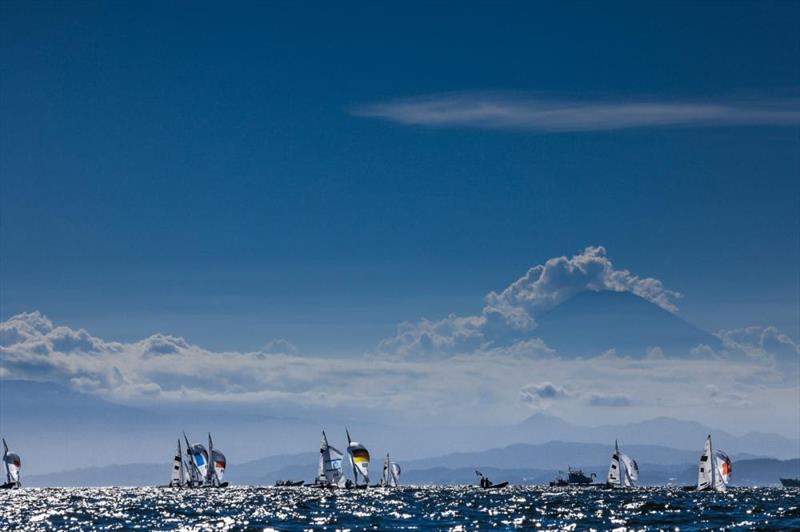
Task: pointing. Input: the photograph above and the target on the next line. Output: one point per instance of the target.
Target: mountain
(553, 456)
(664, 431)
(591, 323)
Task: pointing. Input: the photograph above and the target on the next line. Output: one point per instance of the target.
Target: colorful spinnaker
(359, 459)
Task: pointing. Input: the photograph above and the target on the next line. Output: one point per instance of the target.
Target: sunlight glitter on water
(432, 508)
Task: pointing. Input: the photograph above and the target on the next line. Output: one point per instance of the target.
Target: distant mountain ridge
(664, 431)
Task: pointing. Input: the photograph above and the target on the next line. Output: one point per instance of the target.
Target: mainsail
(178, 478)
(198, 462)
(330, 464)
(359, 458)
(12, 464)
(715, 468)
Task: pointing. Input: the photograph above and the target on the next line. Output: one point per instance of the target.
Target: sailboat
(13, 464)
(216, 468)
(178, 476)
(391, 473)
(715, 469)
(622, 471)
(359, 459)
(329, 473)
(197, 463)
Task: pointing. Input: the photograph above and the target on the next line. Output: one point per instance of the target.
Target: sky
(322, 174)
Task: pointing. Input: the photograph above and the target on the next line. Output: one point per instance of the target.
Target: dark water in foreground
(444, 508)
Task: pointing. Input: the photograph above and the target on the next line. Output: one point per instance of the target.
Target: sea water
(425, 508)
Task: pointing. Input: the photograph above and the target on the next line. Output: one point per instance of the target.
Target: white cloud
(510, 315)
(726, 398)
(546, 390)
(759, 342)
(537, 113)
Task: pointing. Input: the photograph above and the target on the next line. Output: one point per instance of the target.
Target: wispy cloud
(546, 114)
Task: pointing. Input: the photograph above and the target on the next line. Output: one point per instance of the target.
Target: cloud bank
(508, 318)
(487, 386)
(536, 113)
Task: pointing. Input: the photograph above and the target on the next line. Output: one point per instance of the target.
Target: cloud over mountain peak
(509, 316)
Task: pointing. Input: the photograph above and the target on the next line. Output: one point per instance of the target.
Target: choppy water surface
(445, 508)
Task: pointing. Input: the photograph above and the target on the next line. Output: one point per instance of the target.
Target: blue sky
(209, 174)
(401, 192)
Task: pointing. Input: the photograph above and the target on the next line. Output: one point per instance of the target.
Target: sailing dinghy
(715, 469)
(178, 475)
(359, 459)
(622, 471)
(13, 464)
(391, 473)
(197, 463)
(216, 469)
(329, 473)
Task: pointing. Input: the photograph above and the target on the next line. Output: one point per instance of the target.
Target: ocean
(424, 508)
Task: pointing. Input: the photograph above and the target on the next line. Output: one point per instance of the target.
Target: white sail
(12, 463)
(395, 470)
(614, 474)
(715, 468)
(359, 459)
(177, 477)
(386, 472)
(197, 462)
(630, 469)
(330, 463)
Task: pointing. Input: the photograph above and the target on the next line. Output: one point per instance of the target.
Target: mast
(182, 474)
(5, 461)
(193, 473)
(210, 473)
(350, 454)
(713, 464)
(619, 462)
(321, 477)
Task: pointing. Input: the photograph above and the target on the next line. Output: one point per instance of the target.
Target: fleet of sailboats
(201, 466)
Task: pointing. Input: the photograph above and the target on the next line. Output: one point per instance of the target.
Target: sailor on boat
(487, 484)
(13, 464)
